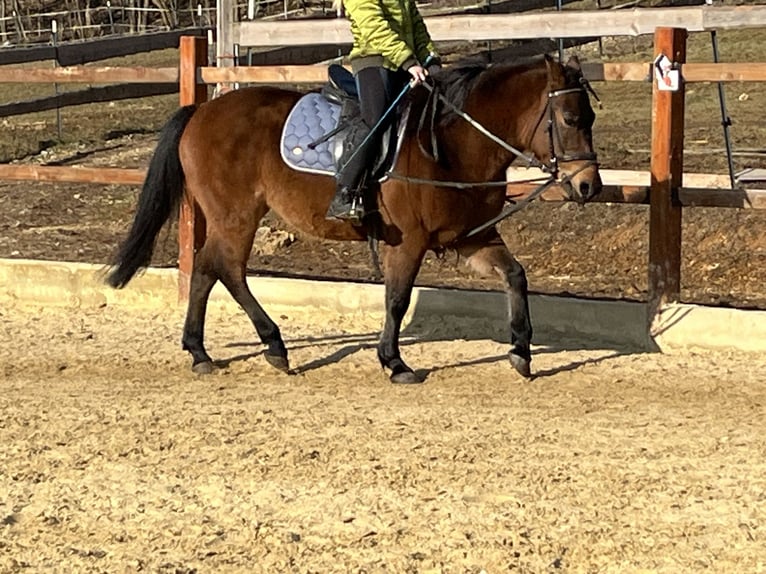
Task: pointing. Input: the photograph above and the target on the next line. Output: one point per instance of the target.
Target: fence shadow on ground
(428, 326)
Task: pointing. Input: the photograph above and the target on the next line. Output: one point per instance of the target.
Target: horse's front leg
(401, 266)
(496, 258)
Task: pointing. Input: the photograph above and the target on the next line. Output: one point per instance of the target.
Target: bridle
(554, 135)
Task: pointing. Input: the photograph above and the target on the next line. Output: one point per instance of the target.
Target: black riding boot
(352, 175)
(346, 204)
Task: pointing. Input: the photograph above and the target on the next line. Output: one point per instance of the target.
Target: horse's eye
(571, 119)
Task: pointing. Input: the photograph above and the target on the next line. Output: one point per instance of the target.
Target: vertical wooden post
(224, 28)
(667, 174)
(191, 224)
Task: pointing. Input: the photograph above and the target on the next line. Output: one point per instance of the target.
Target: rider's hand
(418, 73)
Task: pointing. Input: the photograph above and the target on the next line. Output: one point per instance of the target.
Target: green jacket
(388, 33)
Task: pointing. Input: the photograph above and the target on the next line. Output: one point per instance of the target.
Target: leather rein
(552, 169)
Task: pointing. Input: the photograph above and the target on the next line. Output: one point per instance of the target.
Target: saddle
(323, 124)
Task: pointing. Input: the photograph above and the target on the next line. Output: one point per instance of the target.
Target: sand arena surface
(114, 457)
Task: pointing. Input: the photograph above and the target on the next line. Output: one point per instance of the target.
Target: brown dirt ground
(115, 458)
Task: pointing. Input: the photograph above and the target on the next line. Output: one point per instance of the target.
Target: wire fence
(23, 23)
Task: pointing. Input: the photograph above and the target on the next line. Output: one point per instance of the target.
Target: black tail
(160, 197)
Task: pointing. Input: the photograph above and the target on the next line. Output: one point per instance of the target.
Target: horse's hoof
(405, 378)
(521, 365)
(203, 368)
(278, 362)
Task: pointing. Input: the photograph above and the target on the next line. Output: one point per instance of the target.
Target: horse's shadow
(430, 328)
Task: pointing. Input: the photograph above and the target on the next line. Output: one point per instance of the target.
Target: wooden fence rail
(316, 74)
(620, 186)
(461, 28)
(70, 174)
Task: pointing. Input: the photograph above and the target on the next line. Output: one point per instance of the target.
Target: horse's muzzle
(584, 185)
(590, 188)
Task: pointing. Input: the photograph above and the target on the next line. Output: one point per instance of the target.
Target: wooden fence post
(666, 178)
(191, 224)
(224, 40)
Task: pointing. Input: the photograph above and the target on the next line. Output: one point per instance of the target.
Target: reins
(516, 206)
(551, 170)
(531, 160)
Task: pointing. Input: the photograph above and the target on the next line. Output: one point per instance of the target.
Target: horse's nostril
(586, 189)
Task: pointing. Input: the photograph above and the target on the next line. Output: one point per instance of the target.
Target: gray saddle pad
(310, 119)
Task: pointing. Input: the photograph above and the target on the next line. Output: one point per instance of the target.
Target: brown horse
(225, 155)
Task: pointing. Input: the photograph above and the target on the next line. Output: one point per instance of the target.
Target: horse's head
(562, 137)
(537, 111)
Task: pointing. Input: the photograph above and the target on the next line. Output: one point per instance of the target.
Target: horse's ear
(551, 64)
(574, 63)
(555, 71)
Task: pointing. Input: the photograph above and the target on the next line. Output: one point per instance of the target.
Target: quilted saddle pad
(311, 118)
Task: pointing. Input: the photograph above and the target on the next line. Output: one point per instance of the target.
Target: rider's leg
(374, 87)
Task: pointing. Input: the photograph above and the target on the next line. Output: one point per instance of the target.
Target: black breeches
(377, 87)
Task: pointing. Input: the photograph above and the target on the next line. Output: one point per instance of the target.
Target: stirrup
(356, 213)
(353, 214)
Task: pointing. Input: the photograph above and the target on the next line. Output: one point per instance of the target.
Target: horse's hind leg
(234, 278)
(226, 259)
(495, 258)
(202, 281)
(235, 244)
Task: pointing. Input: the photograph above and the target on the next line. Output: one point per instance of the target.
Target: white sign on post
(668, 78)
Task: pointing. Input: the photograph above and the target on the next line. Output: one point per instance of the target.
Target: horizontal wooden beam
(732, 72)
(565, 24)
(318, 73)
(619, 186)
(489, 6)
(625, 71)
(266, 74)
(689, 197)
(622, 71)
(628, 178)
(68, 174)
(90, 75)
(297, 74)
(694, 72)
(624, 186)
